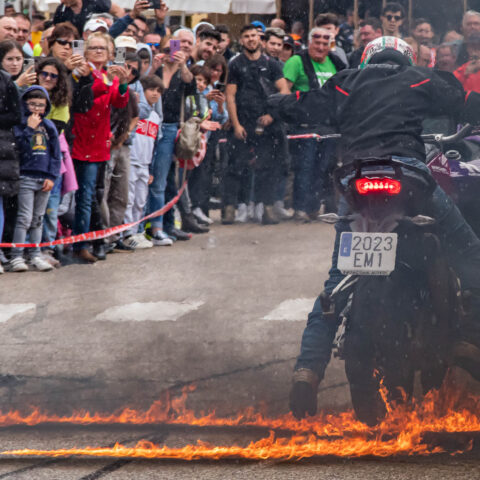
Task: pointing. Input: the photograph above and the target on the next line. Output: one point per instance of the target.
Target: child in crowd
(40, 159)
(140, 159)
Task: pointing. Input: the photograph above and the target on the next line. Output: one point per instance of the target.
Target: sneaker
(122, 246)
(201, 217)
(3, 258)
(242, 213)
(178, 234)
(280, 211)
(161, 239)
(47, 255)
(40, 264)
(1, 269)
(18, 264)
(141, 242)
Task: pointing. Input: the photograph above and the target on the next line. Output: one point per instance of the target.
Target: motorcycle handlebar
(439, 138)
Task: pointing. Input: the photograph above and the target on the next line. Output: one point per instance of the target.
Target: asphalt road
(223, 312)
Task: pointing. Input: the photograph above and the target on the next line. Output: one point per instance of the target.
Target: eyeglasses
(64, 43)
(132, 69)
(36, 106)
(156, 45)
(46, 75)
(98, 49)
(322, 36)
(393, 17)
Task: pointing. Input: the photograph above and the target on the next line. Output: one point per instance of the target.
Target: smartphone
(174, 47)
(77, 47)
(27, 63)
(220, 87)
(155, 4)
(120, 56)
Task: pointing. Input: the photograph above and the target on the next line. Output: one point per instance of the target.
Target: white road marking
(150, 311)
(292, 310)
(9, 310)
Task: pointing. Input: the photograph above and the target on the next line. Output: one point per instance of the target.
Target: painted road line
(9, 310)
(148, 312)
(293, 310)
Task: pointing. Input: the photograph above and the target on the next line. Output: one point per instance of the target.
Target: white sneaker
(198, 213)
(257, 217)
(1, 269)
(242, 213)
(47, 255)
(161, 239)
(140, 241)
(40, 264)
(280, 211)
(17, 264)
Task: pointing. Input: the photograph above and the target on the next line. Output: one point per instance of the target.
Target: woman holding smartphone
(12, 62)
(91, 130)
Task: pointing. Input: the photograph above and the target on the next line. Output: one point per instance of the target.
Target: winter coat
(39, 149)
(91, 130)
(9, 116)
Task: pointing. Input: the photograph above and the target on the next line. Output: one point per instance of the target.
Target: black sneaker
(178, 234)
(121, 247)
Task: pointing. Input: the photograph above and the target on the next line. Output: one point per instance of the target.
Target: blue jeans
(311, 161)
(460, 244)
(51, 215)
(87, 179)
(32, 202)
(162, 160)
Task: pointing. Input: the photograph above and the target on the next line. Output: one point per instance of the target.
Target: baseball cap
(258, 24)
(288, 40)
(127, 42)
(95, 25)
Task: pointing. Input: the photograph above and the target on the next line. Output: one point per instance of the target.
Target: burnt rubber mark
(110, 468)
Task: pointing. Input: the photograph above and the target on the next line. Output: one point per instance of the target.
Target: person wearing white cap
(128, 42)
(94, 25)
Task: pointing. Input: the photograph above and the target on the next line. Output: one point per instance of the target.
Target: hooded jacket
(9, 117)
(39, 149)
(91, 129)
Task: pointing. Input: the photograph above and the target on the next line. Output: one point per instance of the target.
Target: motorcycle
(402, 303)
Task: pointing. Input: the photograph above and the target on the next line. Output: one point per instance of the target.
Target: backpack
(189, 136)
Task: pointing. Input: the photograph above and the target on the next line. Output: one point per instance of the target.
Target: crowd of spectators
(91, 103)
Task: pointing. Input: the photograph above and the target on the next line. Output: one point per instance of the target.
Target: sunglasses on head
(323, 36)
(46, 75)
(63, 42)
(393, 17)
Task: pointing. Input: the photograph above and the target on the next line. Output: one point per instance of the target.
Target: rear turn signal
(365, 186)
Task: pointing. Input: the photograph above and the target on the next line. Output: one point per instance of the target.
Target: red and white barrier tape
(99, 234)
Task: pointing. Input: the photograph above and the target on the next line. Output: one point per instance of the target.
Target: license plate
(367, 253)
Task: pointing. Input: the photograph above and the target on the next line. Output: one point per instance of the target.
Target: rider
(379, 109)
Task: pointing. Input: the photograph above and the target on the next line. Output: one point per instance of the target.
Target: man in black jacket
(379, 111)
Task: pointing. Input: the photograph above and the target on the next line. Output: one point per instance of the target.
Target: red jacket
(469, 82)
(91, 130)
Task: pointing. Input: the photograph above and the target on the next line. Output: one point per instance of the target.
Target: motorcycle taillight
(365, 186)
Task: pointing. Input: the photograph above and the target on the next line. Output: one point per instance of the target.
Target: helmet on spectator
(388, 50)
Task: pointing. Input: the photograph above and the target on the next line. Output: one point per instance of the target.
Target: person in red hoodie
(91, 131)
(469, 73)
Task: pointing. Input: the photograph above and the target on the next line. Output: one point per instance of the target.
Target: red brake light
(381, 185)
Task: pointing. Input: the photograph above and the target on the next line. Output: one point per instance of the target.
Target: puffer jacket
(10, 115)
(91, 130)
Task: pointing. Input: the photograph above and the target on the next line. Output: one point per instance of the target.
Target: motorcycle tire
(377, 344)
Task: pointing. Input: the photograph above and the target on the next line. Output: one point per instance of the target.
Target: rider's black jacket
(379, 110)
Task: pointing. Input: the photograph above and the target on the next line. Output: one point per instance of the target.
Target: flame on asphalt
(401, 433)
